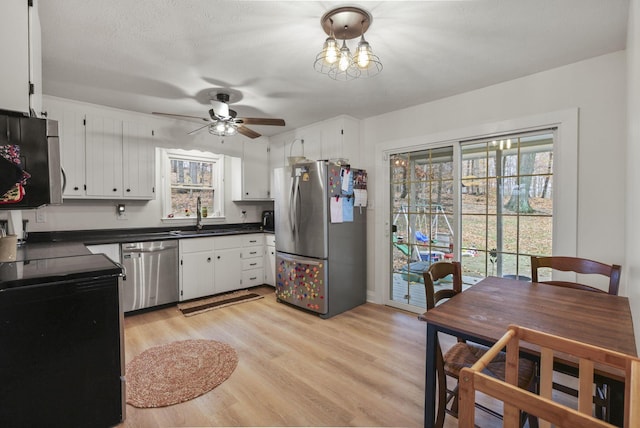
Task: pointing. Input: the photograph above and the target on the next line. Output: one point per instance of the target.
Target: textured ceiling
(168, 55)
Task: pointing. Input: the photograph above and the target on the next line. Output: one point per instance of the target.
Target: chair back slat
(440, 270)
(577, 265)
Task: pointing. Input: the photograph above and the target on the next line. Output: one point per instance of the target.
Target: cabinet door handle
(115, 190)
(128, 190)
(75, 188)
(218, 257)
(253, 252)
(209, 259)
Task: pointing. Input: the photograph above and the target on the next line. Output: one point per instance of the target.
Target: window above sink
(187, 175)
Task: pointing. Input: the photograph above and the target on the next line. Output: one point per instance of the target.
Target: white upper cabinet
(71, 130)
(251, 173)
(104, 156)
(341, 139)
(21, 57)
(138, 161)
(14, 51)
(35, 57)
(337, 138)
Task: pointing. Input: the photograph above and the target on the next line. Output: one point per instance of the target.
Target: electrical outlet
(41, 215)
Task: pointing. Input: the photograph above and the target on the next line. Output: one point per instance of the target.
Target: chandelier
(223, 128)
(346, 23)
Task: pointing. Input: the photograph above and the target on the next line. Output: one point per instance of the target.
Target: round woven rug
(177, 372)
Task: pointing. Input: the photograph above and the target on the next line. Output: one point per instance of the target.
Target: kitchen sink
(203, 232)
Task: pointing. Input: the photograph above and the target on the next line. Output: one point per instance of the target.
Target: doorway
(422, 197)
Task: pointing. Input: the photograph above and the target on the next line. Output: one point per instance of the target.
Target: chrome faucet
(198, 214)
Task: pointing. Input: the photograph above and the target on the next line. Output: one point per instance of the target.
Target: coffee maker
(268, 221)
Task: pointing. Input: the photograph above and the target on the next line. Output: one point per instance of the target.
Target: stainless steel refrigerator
(321, 258)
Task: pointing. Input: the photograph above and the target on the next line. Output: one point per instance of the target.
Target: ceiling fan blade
(198, 129)
(260, 121)
(247, 132)
(182, 116)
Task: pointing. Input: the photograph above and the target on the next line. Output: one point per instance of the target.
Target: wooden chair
(464, 354)
(578, 265)
(581, 266)
(550, 412)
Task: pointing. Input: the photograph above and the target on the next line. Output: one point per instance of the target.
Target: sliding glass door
(422, 211)
(487, 203)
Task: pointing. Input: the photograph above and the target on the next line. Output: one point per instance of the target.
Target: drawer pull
(253, 278)
(252, 264)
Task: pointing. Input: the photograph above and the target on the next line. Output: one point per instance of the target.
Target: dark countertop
(52, 270)
(50, 250)
(52, 256)
(112, 236)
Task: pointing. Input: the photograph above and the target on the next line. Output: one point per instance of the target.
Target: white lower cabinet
(196, 268)
(270, 260)
(252, 260)
(228, 263)
(213, 265)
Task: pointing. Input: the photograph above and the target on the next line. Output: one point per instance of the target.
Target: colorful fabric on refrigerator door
(300, 283)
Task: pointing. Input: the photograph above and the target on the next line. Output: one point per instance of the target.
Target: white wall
(597, 87)
(632, 265)
(101, 214)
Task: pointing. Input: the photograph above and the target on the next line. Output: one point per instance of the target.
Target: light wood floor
(364, 367)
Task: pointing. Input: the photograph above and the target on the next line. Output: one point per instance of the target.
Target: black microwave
(30, 173)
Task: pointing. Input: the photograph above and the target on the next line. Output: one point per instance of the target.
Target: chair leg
(454, 405)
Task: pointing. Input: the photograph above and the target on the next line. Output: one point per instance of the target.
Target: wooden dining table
(483, 312)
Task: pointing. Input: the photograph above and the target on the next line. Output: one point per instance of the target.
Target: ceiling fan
(223, 121)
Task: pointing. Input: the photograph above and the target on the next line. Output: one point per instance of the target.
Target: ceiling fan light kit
(346, 23)
(223, 128)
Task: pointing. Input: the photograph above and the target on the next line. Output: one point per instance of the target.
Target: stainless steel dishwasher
(151, 274)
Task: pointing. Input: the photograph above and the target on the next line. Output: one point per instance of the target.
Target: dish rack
(549, 412)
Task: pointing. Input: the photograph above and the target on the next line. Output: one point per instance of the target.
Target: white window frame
(565, 189)
(166, 155)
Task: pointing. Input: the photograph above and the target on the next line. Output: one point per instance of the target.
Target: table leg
(430, 378)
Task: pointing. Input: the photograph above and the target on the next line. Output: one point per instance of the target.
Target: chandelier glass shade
(346, 23)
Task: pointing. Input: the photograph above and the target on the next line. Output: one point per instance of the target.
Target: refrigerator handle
(293, 207)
